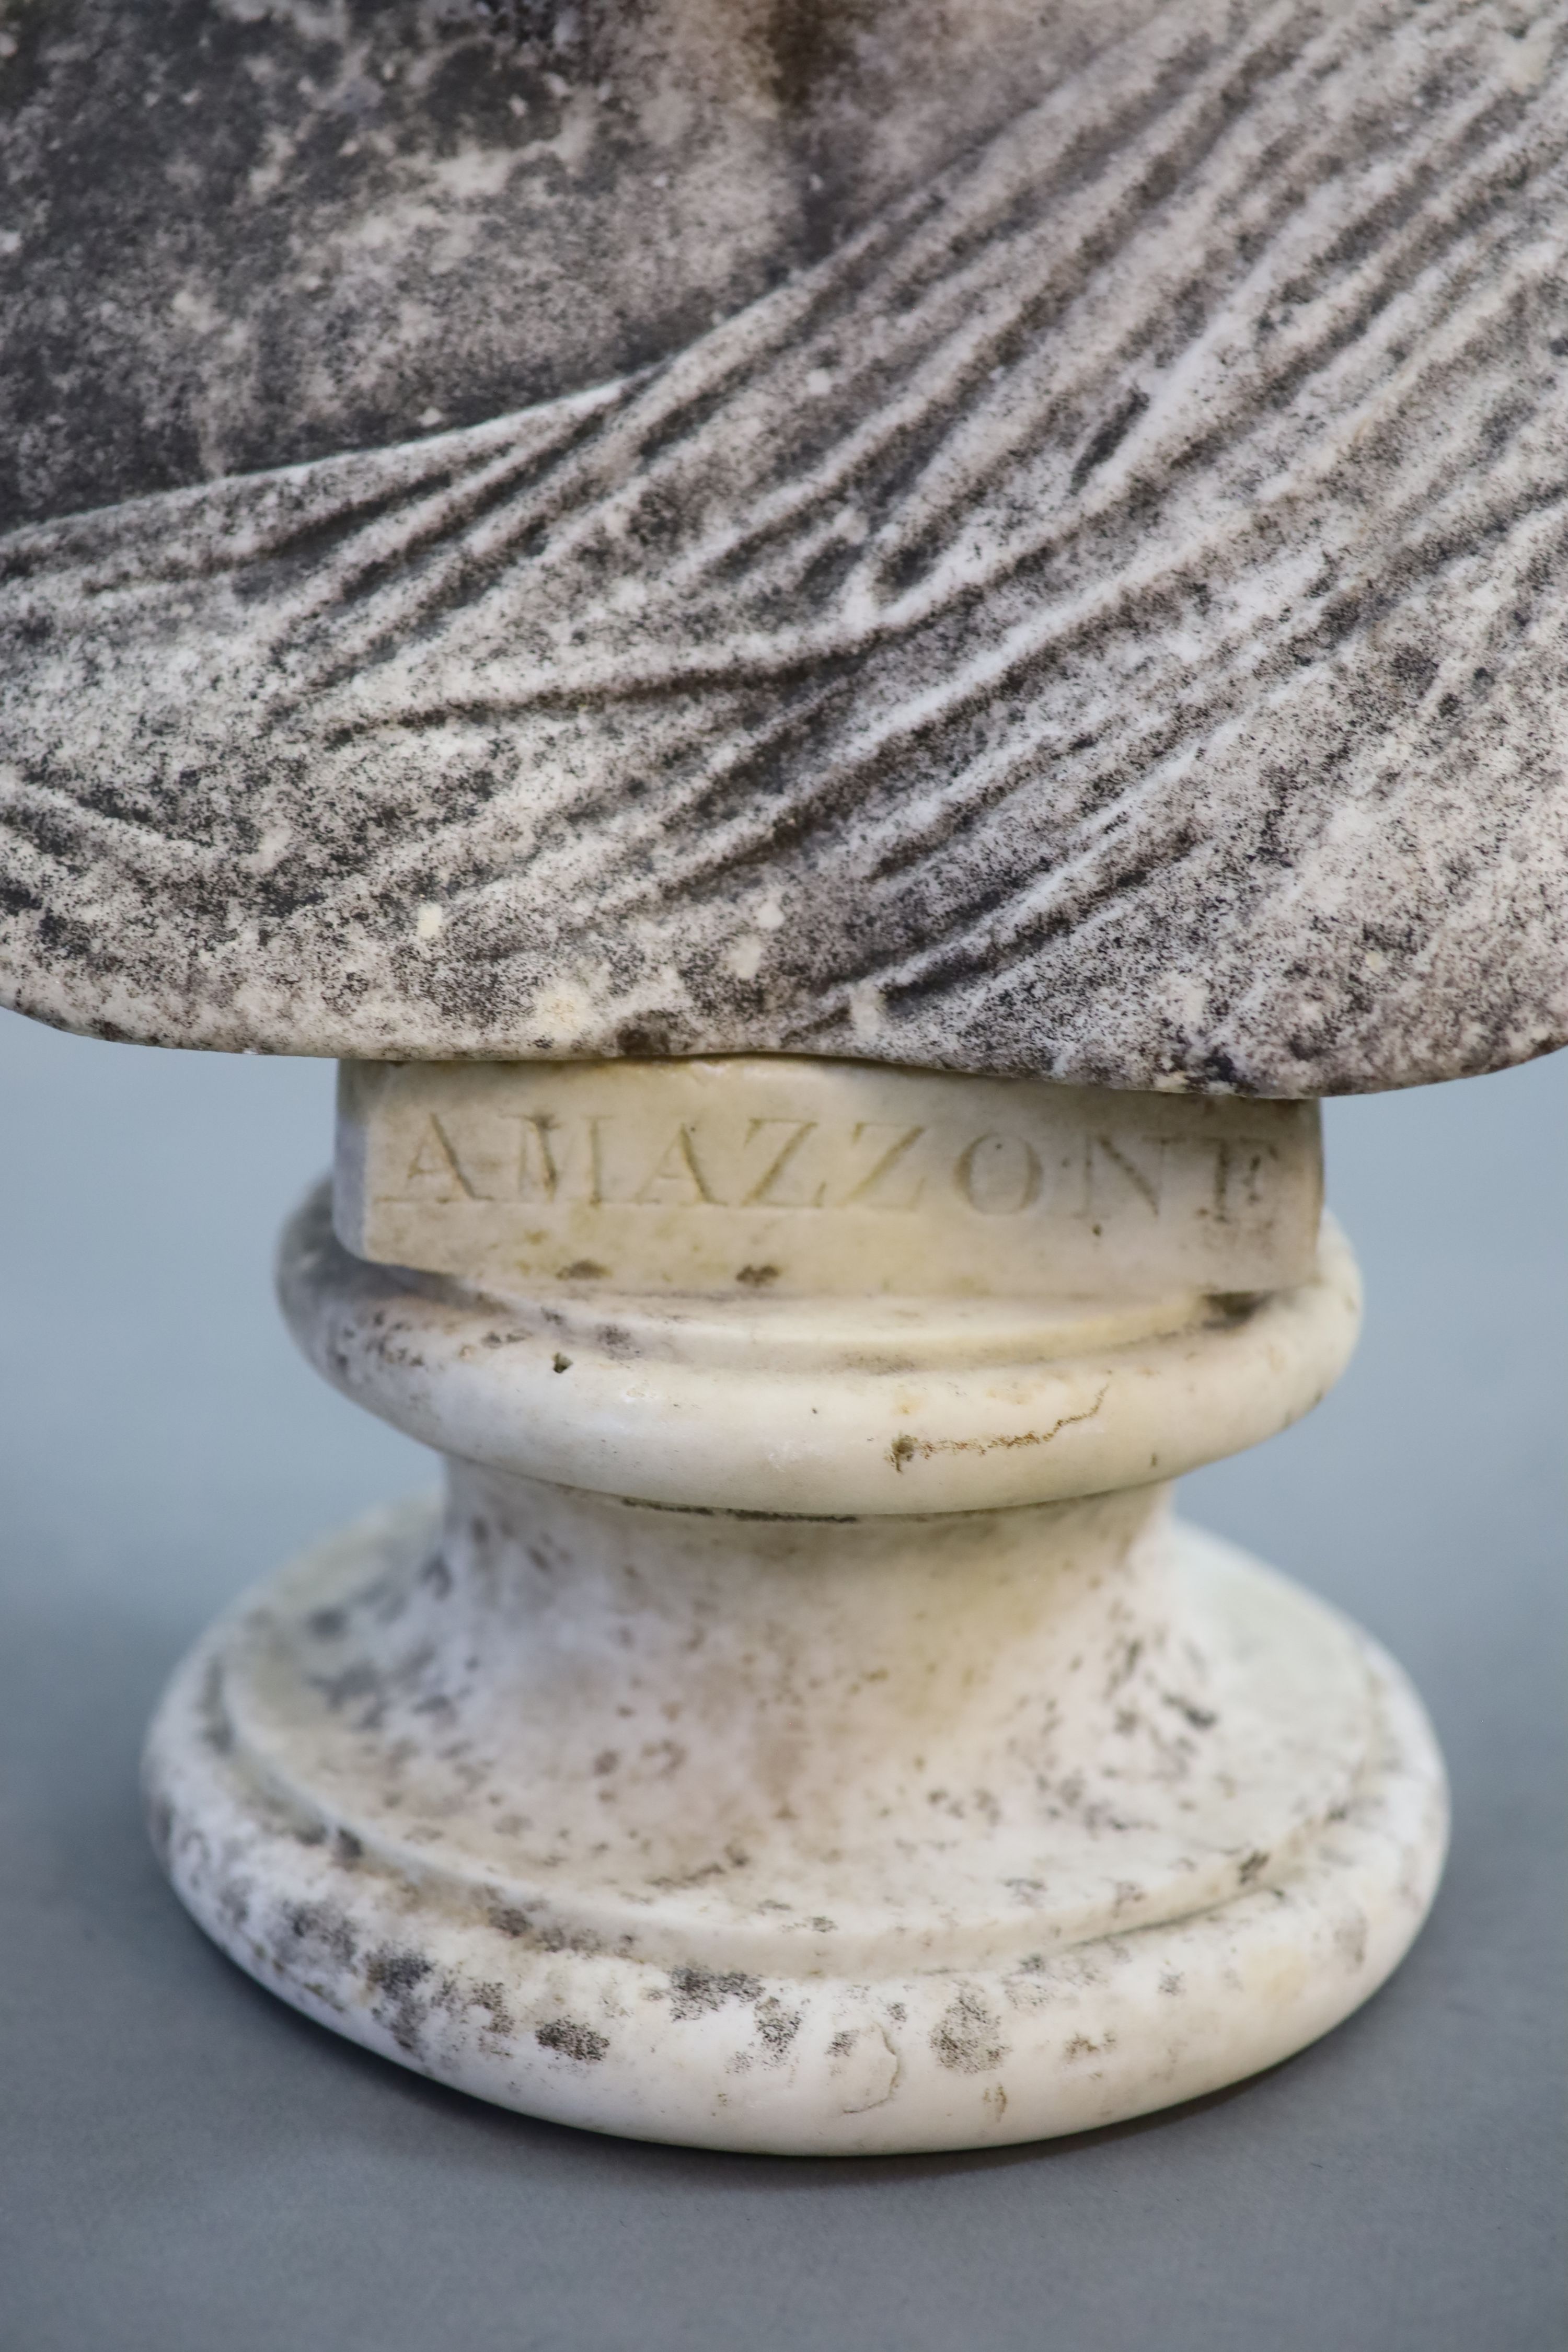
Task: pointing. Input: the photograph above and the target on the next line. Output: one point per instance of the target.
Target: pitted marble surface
(824, 1407)
(622, 1985)
(1073, 590)
(190, 2162)
(802, 1727)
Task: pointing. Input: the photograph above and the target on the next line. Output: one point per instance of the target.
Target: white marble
(843, 1405)
(803, 1728)
(420, 1848)
(791, 1178)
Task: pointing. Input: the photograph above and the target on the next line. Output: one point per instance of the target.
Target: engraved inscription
(768, 1191)
(434, 1171)
(880, 1187)
(876, 1166)
(678, 1182)
(794, 1176)
(998, 1174)
(538, 1176)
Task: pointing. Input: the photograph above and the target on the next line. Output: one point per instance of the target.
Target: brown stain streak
(906, 1449)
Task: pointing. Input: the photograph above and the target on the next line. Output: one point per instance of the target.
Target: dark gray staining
(567, 2039)
(316, 1934)
(241, 233)
(967, 2038)
(776, 2028)
(400, 1983)
(696, 1992)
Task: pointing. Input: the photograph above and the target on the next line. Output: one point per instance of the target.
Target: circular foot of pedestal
(423, 1961)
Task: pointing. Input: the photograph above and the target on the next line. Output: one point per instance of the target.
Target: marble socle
(802, 1726)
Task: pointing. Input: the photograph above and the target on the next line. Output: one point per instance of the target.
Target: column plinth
(803, 1725)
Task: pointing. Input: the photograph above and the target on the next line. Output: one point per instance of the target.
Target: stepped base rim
(809, 2064)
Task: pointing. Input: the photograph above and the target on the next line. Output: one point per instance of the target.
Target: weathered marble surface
(803, 1729)
(1024, 549)
(717, 1929)
(771, 1177)
(822, 1407)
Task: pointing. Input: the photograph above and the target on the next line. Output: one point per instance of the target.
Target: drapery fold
(1103, 620)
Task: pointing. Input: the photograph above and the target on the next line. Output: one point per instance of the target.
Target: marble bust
(994, 539)
(845, 653)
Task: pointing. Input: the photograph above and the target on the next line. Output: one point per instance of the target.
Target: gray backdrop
(187, 2167)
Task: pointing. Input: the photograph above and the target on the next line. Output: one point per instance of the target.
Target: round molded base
(418, 1955)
